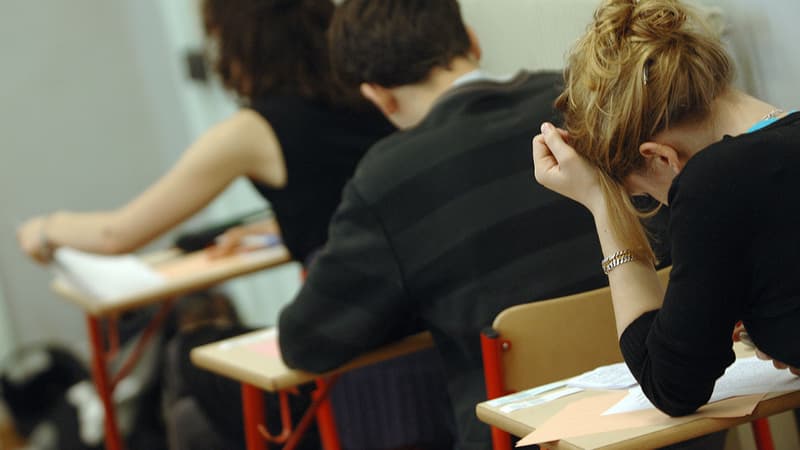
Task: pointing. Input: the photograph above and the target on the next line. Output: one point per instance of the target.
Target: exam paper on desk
(745, 376)
(613, 376)
(105, 277)
(534, 396)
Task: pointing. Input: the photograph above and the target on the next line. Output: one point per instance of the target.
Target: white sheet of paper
(105, 277)
(549, 397)
(745, 376)
(614, 376)
(634, 401)
(526, 394)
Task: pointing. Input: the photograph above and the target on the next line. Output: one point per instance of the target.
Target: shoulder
(743, 162)
(719, 168)
(248, 141)
(244, 127)
(726, 179)
(476, 118)
(524, 91)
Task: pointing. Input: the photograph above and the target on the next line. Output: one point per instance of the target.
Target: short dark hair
(395, 42)
(272, 46)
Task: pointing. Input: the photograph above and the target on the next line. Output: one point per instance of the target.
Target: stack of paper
(105, 277)
(745, 376)
(614, 376)
(736, 394)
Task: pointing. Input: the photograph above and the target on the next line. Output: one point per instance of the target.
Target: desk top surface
(183, 273)
(523, 421)
(254, 358)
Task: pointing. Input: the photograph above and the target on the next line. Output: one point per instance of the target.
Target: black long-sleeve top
(735, 236)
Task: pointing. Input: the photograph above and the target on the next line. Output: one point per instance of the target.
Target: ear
(662, 154)
(474, 44)
(381, 97)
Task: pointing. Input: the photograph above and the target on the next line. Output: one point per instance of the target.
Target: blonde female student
(297, 137)
(649, 110)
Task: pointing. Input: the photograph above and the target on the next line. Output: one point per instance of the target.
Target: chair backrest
(559, 338)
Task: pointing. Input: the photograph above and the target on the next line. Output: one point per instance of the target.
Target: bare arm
(635, 286)
(678, 343)
(241, 145)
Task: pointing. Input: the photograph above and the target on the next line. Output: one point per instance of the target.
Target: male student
(442, 222)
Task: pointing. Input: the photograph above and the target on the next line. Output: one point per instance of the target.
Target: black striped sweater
(441, 228)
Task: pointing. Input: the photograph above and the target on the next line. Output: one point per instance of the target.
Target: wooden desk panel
(522, 422)
(254, 358)
(184, 273)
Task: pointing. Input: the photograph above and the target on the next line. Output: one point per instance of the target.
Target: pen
(253, 241)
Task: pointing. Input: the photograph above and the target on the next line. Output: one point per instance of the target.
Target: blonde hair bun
(658, 19)
(642, 67)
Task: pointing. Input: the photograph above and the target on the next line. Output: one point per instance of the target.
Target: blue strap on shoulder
(767, 122)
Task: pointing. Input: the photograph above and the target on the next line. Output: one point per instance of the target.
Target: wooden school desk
(523, 421)
(184, 274)
(254, 360)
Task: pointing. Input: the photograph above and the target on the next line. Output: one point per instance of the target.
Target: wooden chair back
(555, 339)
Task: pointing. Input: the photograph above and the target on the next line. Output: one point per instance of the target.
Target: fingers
(540, 150)
(555, 140)
(543, 159)
(226, 243)
(775, 363)
(30, 242)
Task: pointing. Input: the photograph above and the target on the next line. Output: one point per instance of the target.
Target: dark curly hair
(272, 46)
(395, 42)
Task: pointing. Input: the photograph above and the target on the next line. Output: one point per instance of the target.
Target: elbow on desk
(302, 351)
(675, 407)
(311, 358)
(678, 410)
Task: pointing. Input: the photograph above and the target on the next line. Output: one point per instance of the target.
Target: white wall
(536, 34)
(7, 340)
(765, 35)
(80, 130)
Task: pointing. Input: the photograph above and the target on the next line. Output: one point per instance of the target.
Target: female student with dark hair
(649, 110)
(297, 137)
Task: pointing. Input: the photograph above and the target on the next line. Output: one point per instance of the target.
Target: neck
(732, 114)
(416, 100)
(735, 112)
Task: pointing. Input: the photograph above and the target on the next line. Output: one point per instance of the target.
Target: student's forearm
(635, 287)
(96, 232)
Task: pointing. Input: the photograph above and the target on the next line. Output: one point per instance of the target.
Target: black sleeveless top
(321, 147)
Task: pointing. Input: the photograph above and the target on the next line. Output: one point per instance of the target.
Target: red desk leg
(253, 406)
(326, 423)
(491, 350)
(102, 383)
(256, 433)
(762, 434)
